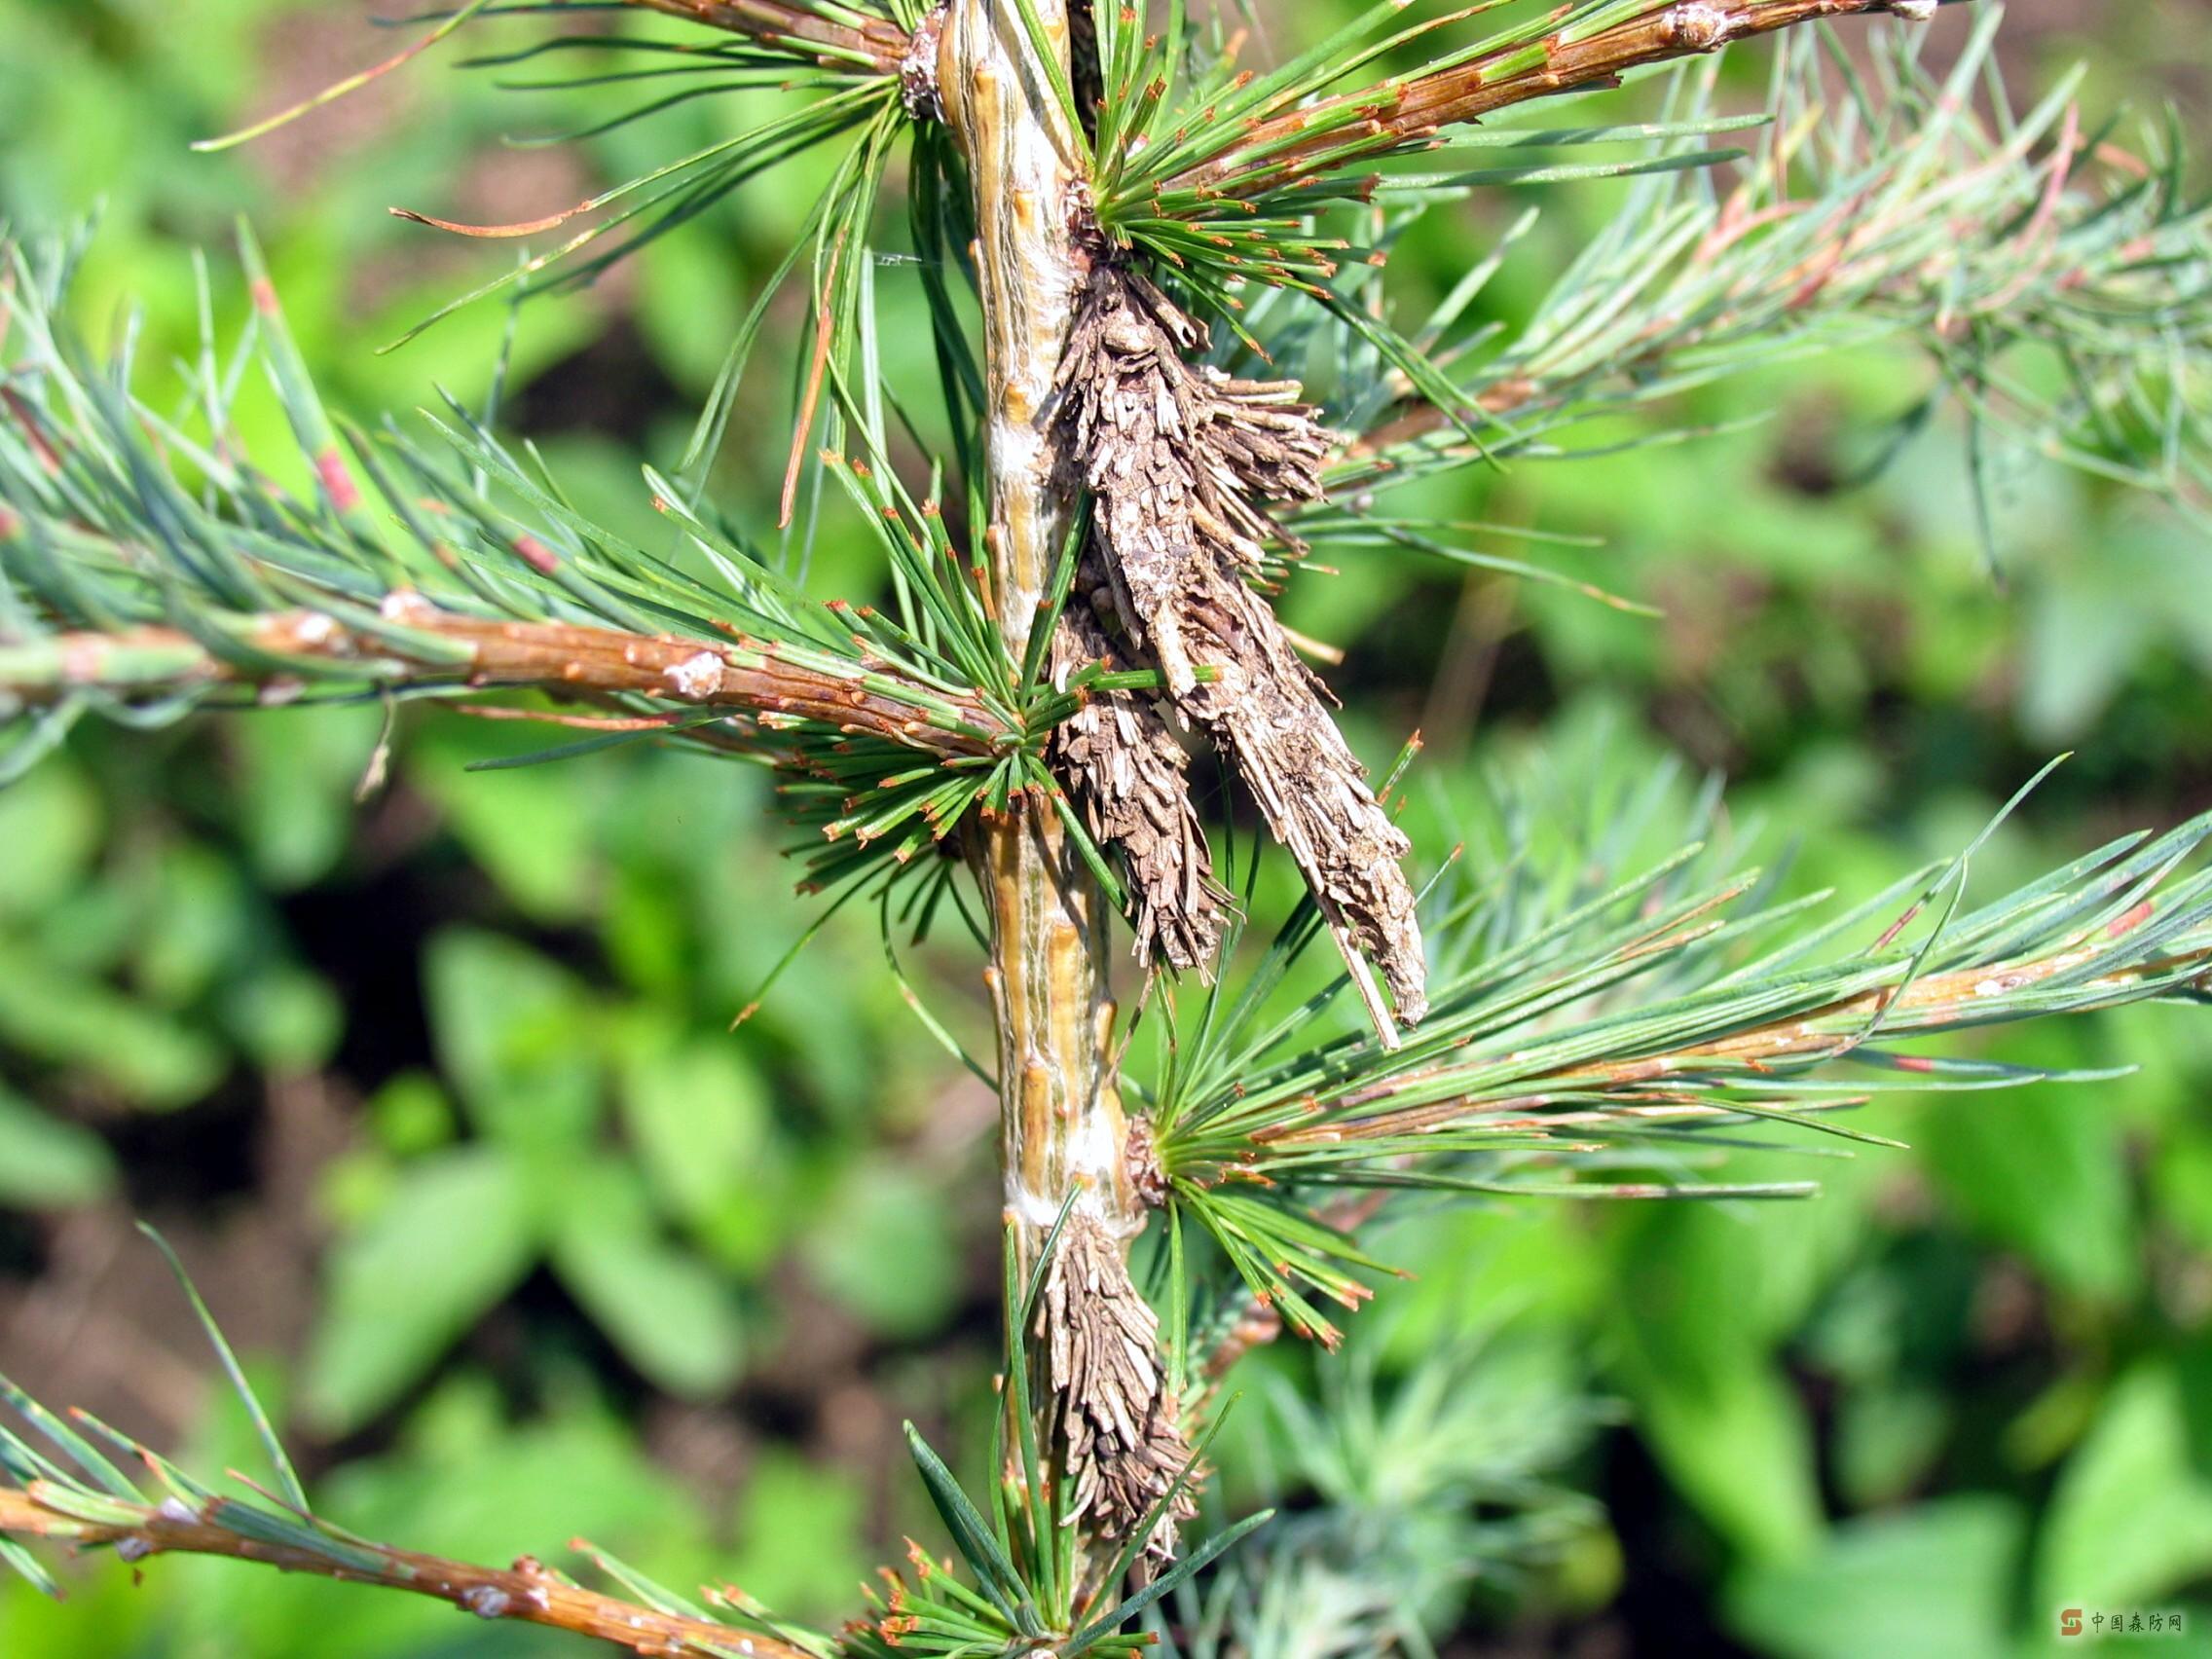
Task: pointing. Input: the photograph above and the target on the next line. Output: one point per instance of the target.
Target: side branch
(877, 41)
(1410, 108)
(529, 1592)
(1979, 242)
(1610, 1094)
(427, 646)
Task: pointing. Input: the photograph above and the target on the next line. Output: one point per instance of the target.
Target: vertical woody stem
(1061, 1117)
(1101, 1404)
(1099, 1401)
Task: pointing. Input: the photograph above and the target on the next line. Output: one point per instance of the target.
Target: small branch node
(918, 69)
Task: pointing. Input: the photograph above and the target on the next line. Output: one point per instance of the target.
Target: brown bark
(1410, 108)
(430, 645)
(527, 1593)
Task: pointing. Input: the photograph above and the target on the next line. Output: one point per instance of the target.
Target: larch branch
(424, 646)
(773, 22)
(1407, 109)
(1932, 1003)
(527, 1592)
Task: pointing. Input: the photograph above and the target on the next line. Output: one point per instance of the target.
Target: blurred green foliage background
(437, 1094)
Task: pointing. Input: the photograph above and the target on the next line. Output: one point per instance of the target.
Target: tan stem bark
(1061, 1120)
(1063, 1141)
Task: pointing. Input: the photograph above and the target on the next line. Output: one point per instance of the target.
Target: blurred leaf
(1935, 1580)
(457, 1232)
(1886, 1438)
(2193, 1361)
(516, 1036)
(799, 1532)
(695, 1112)
(1739, 1446)
(293, 797)
(2131, 1518)
(1908, 1311)
(1537, 1263)
(50, 824)
(411, 1115)
(2182, 1178)
(662, 1306)
(286, 1019)
(2097, 612)
(2054, 1422)
(884, 1248)
(106, 1615)
(81, 1024)
(530, 828)
(648, 928)
(197, 921)
(2043, 1172)
(1701, 1296)
(355, 1186)
(1732, 1277)
(689, 309)
(47, 1163)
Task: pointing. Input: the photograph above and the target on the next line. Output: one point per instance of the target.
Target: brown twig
(1406, 109)
(1936, 1000)
(773, 22)
(1846, 253)
(526, 1592)
(430, 645)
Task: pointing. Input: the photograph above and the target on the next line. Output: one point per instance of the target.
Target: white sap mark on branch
(1094, 1151)
(487, 1602)
(402, 604)
(1700, 23)
(1034, 1208)
(1914, 10)
(132, 1549)
(697, 677)
(176, 1509)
